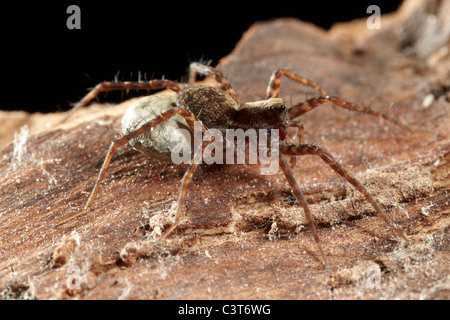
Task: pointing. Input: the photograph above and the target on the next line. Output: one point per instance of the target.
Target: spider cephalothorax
(151, 124)
(217, 109)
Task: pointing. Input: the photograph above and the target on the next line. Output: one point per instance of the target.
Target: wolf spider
(218, 107)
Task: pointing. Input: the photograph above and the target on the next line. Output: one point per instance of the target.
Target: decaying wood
(238, 241)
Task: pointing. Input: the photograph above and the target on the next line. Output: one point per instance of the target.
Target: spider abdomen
(161, 140)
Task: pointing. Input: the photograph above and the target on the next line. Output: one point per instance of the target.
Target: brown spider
(219, 108)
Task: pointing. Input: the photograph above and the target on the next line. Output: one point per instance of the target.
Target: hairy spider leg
(223, 82)
(308, 149)
(296, 139)
(126, 85)
(312, 103)
(183, 188)
(190, 119)
(285, 167)
(273, 89)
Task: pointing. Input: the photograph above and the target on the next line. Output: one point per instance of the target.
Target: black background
(45, 66)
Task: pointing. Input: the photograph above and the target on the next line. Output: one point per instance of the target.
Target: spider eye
(280, 108)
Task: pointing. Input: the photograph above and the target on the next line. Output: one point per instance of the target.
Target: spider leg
(185, 183)
(293, 159)
(182, 192)
(273, 90)
(224, 84)
(127, 85)
(122, 141)
(312, 103)
(302, 200)
(305, 149)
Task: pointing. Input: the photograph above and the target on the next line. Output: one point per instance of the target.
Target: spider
(219, 107)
